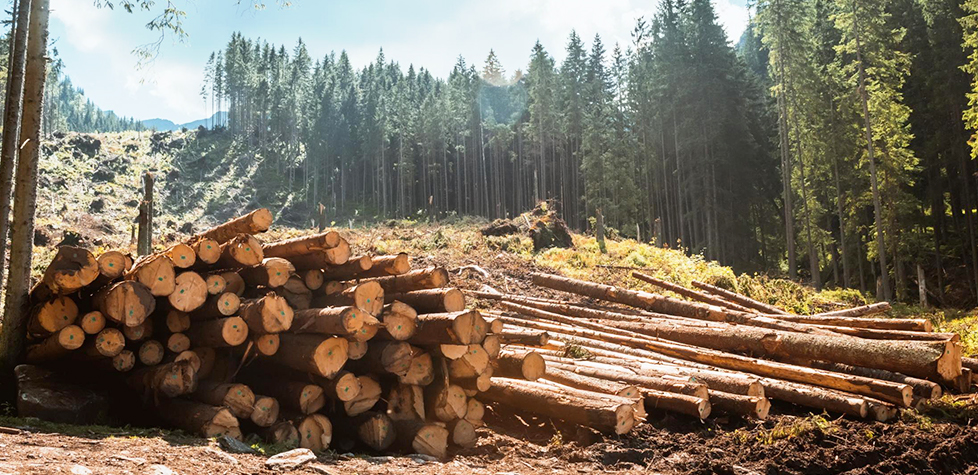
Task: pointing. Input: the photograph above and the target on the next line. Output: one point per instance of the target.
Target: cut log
(108, 343)
(475, 412)
(739, 299)
(431, 300)
(235, 284)
(237, 398)
(921, 387)
(241, 251)
(272, 272)
(890, 334)
(178, 342)
(322, 258)
(396, 264)
(177, 321)
(302, 396)
(366, 399)
(746, 406)
(257, 221)
(526, 365)
(333, 287)
(208, 359)
(400, 321)
(113, 265)
(265, 411)
(537, 339)
(199, 418)
(421, 371)
(280, 433)
(861, 311)
(406, 401)
(315, 354)
(217, 306)
(124, 361)
(422, 438)
(420, 279)
(219, 333)
(473, 363)
(367, 296)
(655, 381)
(57, 345)
(71, 269)
(492, 345)
(216, 284)
(393, 357)
(269, 314)
(127, 302)
(611, 414)
(343, 387)
(156, 272)
(191, 356)
(345, 321)
(189, 293)
(139, 332)
(903, 324)
(315, 432)
(349, 270)
(374, 429)
(313, 278)
(183, 256)
(92, 322)
(208, 250)
(302, 245)
(150, 353)
(52, 315)
(463, 433)
(445, 402)
(167, 379)
(459, 328)
(815, 397)
(357, 349)
(296, 293)
(690, 293)
(574, 380)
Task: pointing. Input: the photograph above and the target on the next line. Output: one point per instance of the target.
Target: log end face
(234, 331)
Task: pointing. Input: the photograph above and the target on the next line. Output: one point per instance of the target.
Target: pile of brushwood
(300, 342)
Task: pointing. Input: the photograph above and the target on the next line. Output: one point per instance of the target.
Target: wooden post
(922, 285)
(144, 245)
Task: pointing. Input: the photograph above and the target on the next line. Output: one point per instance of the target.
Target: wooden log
(349, 270)
(903, 324)
(396, 264)
(72, 269)
(921, 387)
(815, 397)
(460, 328)
(366, 399)
(374, 429)
(419, 279)
(657, 382)
(471, 364)
(92, 322)
(400, 321)
(281, 433)
(267, 344)
(298, 296)
(237, 398)
(322, 258)
(313, 278)
(113, 265)
(605, 413)
(208, 251)
(405, 401)
(357, 349)
(315, 354)
(191, 356)
(889, 391)
(422, 438)
(607, 386)
(219, 333)
(526, 365)
(739, 299)
(431, 300)
(302, 245)
(861, 311)
(271, 272)
(257, 221)
(235, 284)
(56, 345)
(51, 316)
(216, 283)
(182, 255)
(127, 302)
(199, 418)
(178, 342)
(345, 321)
(492, 345)
(690, 293)
(177, 321)
(315, 432)
(241, 251)
(367, 296)
(752, 407)
(124, 361)
(343, 387)
(189, 293)
(168, 379)
(150, 353)
(106, 344)
(269, 314)
(217, 306)
(333, 287)
(522, 338)
(208, 361)
(265, 411)
(890, 334)
(421, 371)
(393, 357)
(304, 397)
(156, 272)
(462, 433)
(445, 402)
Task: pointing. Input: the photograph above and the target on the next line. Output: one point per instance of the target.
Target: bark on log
(739, 299)
(367, 296)
(323, 258)
(257, 221)
(609, 414)
(237, 398)
(71, 269)
(459, 328)
(393, 357)
(156, 272)
(909, 324)
(345, 321)
(269, 314)
(199, 418)
(514, 364)
(241, 251)
(235, 284)
(126, 302)
(349, 270)
(419, 279)
(861, 311)
(304, 397)
(656, 382)
(689, 293)
(168, 379)
(431, 300)
(302, 245)
(921, 387)
(421, 437)
(536, 339)
(57, 345)
(315, 432)
(746, 406)
(272, 272)
(370, 392)
(315, 354)
(396, 264)
(219, 333)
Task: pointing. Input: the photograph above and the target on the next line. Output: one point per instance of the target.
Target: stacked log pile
(301, 342)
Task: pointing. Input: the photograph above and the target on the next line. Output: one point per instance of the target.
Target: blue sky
(96, 44)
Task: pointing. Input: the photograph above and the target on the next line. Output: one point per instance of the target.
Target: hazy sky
(96, 44)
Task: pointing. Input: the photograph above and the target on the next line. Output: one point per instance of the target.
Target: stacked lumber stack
(723, 352)
(296, 341)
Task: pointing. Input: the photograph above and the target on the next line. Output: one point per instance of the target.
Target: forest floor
(941, 437)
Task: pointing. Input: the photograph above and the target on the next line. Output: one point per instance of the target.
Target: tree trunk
(12, 116)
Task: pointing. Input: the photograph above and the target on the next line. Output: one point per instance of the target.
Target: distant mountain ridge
(164, 125)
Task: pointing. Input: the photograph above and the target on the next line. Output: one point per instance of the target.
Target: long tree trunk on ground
(11, 119)
(25, 191)
(877, 207)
